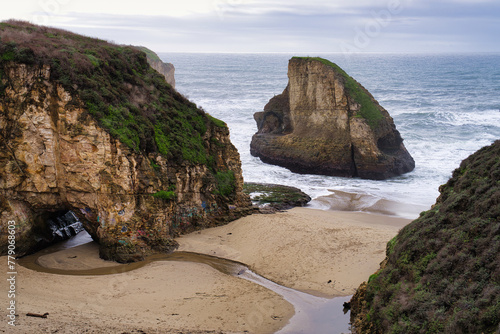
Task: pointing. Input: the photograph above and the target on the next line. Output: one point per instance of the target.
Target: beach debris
(36, 315)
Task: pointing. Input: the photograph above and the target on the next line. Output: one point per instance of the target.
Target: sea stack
(98, 132)
(326, 123)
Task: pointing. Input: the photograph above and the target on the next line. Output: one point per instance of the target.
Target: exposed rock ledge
(270, 198)
(326, 123)
(165, 69)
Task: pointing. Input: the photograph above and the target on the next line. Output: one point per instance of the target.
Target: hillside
(89, 126)
(117, 86)
(442, 271)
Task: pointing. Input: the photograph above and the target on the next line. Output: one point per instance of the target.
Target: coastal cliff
(442, 271)
(89, 127)
(165, 69)
(326, 123)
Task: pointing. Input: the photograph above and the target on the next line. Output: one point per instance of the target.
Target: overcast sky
(276, 25)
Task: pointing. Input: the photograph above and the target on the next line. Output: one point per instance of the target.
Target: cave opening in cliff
(353, 161)
(55, 226)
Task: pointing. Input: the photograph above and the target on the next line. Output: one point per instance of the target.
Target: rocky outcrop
(326, 123)
(165, 69)
(274, 197)
(442, 271)
(133, 193)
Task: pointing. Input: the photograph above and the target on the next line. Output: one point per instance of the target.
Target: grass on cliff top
(443, 270)
(149, 53)
(369, 110)
(118, 88)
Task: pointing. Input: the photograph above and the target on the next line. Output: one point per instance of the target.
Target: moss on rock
(277, 196)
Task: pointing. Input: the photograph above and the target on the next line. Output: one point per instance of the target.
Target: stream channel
(313, 315)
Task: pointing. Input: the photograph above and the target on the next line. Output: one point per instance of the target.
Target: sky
(310, 26)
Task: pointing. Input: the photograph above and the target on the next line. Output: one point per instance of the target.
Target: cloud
(278, 25)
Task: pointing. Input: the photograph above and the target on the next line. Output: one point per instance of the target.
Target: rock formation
(106, 138)
(326, 123)
(165, 69)
(274, 197)
(442, 271)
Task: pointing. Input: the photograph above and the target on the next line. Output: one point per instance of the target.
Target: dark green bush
(448, 260)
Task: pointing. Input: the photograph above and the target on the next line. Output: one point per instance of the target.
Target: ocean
(446, 107)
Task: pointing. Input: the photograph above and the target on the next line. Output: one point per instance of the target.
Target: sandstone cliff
(165, 69)
(88, 126)
(326, 123)
(442, 271)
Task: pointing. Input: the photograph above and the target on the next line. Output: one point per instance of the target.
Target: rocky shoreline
(269, 198)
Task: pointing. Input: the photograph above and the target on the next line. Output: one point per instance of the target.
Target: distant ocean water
(446, 106)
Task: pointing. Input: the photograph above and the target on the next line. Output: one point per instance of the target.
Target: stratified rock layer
(326, 123)
(55, 156)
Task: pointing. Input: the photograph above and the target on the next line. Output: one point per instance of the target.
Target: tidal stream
(312, 314)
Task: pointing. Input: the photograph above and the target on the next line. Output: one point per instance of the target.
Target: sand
(304, 249)
(326, 253)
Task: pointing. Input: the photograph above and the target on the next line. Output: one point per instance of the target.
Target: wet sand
(303, 249)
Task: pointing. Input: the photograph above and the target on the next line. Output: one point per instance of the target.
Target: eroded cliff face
(165, 69)
(54, 156)
(326, 123)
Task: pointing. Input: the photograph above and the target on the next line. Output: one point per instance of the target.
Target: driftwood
(37, 315)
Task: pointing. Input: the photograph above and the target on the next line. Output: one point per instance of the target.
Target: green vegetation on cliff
(149, 53)
(442, 273)
(225, 183)
(117, 87)
(369, 109)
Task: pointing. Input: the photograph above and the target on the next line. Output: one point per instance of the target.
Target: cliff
(89, 127)
(165, 69)
(442, 271)
(326, 123)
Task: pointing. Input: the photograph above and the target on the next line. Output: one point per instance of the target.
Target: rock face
(133, 198)
(165, 69)
(442, 271)
(326, 123)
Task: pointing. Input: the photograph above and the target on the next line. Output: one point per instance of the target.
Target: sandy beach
(302, 248)
(325, 253)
